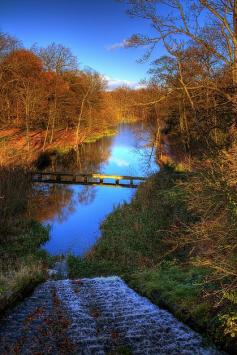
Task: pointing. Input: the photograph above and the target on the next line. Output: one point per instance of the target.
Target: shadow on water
(75, 212)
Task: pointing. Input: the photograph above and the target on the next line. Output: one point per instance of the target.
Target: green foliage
(230, 324)
(29, 241)
(22, 263)
(231, 296)
(134, 234)
(79, 267)
(177, 287)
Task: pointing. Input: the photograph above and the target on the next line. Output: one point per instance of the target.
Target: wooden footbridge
(87, 179)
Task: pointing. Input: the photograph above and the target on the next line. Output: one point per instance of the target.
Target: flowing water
(100, 315)
(75, 212)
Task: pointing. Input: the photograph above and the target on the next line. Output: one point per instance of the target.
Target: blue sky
(88, 27)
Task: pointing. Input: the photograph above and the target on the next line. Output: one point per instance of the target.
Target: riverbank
(140, 243)
(14, 149)
(22, 264)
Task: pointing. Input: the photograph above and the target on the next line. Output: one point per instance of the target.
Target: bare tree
(57, 58)
(179, 21)
(8, 44)
(90, 83)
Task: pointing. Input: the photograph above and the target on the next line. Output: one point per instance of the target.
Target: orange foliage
(24, 62)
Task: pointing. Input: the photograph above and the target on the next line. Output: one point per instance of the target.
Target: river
(74, 212)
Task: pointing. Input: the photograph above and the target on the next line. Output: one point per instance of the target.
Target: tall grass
(21, 261)
(15, 187)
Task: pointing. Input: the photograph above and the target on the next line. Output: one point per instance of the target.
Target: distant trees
(132, 105)
(44, 89)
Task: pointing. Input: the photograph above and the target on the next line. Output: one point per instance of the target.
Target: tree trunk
(235, 44)
(54, 113)
(80, 117)
(47, 130)
(79, 122)
(27, 111)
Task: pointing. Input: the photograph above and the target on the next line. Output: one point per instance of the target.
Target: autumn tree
(86, 88)
(57, 58)
(198, 73)
(22, 75)
(195, 95)
(210, 24)
(57, 91)
(43, 89)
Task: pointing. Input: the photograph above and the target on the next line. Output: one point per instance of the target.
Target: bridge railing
(87, 179)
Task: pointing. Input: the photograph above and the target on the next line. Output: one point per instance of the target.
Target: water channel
(74, 212)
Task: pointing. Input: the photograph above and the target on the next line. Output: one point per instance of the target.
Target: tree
(198, 74)
(22, 73)
(8, 44)
(57, 91)
(179, 21)
(91, 85)
(57, 58)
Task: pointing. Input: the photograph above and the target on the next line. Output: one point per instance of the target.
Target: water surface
(73, 212)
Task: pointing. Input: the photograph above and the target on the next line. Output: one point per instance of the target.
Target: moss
(180, 288)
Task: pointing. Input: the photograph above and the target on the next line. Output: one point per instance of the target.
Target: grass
(105, 133)
(22, 263)
(139, 243)
(176, 288)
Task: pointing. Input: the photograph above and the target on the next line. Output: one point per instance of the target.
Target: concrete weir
(94, 316)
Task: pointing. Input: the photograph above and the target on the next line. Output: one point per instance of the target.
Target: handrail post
(87, 179)
(58, 178)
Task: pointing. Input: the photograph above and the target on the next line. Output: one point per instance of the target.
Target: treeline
(44, 89)
(198, 73)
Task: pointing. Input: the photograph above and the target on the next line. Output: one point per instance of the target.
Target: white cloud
(123, 44)
(115, 83)
(119, 162)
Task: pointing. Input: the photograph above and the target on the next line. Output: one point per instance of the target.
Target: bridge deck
(87, 179)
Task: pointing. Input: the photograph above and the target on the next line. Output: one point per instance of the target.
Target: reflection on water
(75, 212)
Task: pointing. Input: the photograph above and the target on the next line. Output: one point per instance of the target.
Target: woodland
(176, 242)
